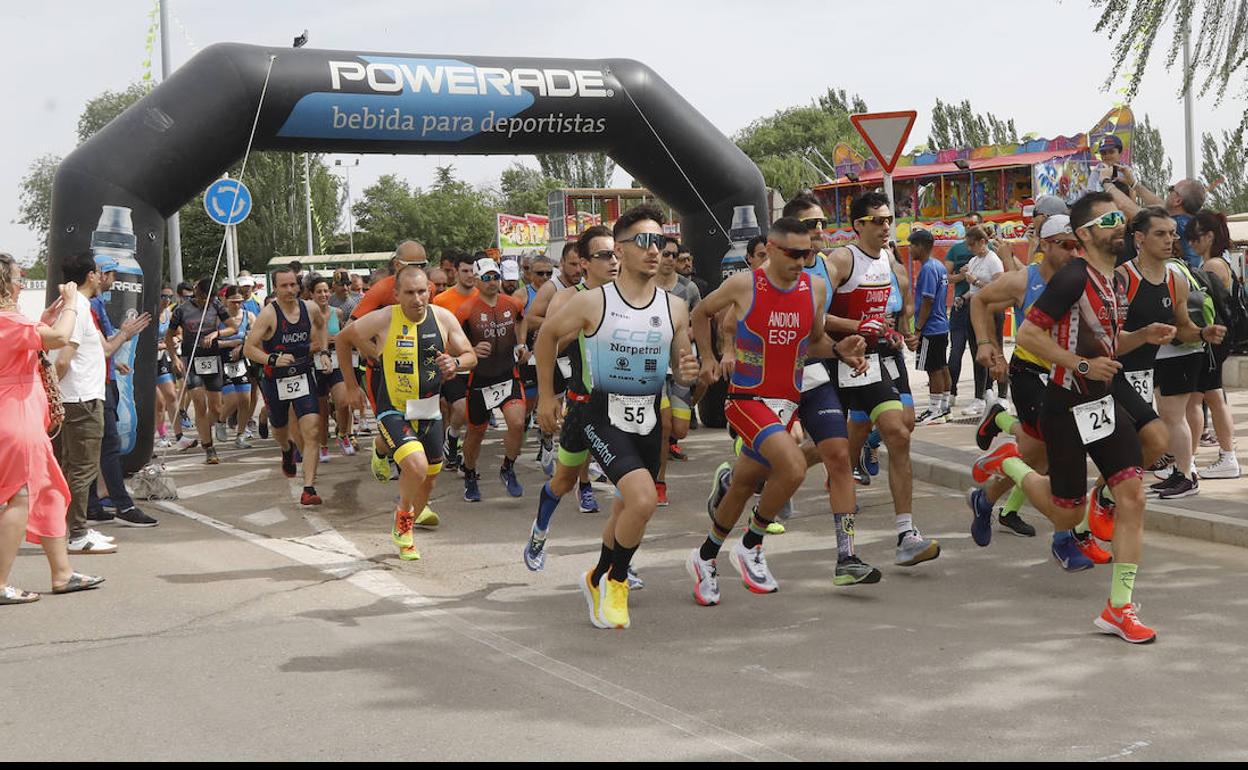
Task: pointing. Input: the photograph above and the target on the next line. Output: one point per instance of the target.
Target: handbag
(52, 387)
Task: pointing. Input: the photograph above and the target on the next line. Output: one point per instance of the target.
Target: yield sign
(885, 133)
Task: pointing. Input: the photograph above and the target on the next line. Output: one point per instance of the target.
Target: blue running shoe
(508, 477)
(870, 460)
(535, 551)
(1066, 551)
(588, 503)
(635, 583)
(472, 488)
(981, 524)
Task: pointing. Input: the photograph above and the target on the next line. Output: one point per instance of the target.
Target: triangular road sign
(885, 133)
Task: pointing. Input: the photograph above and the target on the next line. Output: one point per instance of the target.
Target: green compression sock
(1015, 501)
(1082, 527)
(1005, 421)
(1123, 583)
(1016, 469)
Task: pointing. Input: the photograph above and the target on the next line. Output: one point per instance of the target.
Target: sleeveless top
(1140, 303)
(528, 287)
(629, 352)
(1035, 287)
(895, 302)
(407, 357)
(578, 384)
(820, 268)
(772, 339)
(293, 338)
(864, 294)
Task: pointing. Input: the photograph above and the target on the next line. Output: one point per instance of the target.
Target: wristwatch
(1084, 367)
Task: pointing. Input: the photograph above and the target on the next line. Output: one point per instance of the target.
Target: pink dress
(26, 458)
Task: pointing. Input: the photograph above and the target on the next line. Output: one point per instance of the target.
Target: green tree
(1223, 166)
(454, 214)
(959, 125)
(100, 111)
(35, 201)
(583, 169)
(1152, 166)
(524, 189)
(385, 214)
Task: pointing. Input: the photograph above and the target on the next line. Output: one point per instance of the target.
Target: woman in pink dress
(33, 492)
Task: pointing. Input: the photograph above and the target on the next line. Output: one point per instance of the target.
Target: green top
(957, 256)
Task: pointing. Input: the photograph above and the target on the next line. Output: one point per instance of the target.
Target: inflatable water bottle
(744, 227)
(114, 237)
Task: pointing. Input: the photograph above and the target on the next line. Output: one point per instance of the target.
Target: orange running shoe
(1123, 622)
(1101, 514)
(309, 498)
(402, 532)
(1092, 549)
(990, 464)
(660, 487)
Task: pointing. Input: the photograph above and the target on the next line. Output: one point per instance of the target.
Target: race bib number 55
(632, 414)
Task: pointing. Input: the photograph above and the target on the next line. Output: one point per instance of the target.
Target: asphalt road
(245, 628)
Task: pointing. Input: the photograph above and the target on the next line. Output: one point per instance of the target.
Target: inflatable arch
(177, 140)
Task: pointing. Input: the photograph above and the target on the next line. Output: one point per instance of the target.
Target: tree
(102, 109)
(524, 189)
(584, 169)
(450, 214)
(35, 206)
(1219, 41)
(958, 125)
(1223, 167)
(1152, 166)
(385, 214)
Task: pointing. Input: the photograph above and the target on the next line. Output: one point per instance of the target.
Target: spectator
(979, 271)
(1111, 170)
(33, 492)
(511, 276)
(1182, 202)
(341, 297)
(246, 283)
(684, 266)
(960, 318)
(357, 286)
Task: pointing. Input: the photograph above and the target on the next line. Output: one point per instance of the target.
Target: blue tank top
(528, 287)
(895, 302)
(243, 325)
(1035, 287)
(820, 269)
(630, 350)
(293, 338)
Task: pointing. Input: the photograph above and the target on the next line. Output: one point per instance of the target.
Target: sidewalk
(943, 454)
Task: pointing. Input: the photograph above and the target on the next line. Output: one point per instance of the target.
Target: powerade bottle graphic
(744, 227)
(114, 237)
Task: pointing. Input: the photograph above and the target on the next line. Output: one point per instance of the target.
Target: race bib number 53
(632, 414)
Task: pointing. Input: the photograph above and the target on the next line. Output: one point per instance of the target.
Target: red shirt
(495, 325)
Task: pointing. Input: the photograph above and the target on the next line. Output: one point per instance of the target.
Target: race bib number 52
(290, 388)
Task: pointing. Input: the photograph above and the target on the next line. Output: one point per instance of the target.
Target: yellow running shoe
(409, 553)
(613, 610)
(775, 528)
(427, 519)
(402, 532)
(590, 592)
(380, 466)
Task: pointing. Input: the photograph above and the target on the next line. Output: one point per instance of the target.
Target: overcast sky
(1036, 61)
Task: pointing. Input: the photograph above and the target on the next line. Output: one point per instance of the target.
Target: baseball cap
(246, 280)
(484, 265)
(1111, 142)
(106, 264)
(1051, 205)
(1056, 225)
(511, 270)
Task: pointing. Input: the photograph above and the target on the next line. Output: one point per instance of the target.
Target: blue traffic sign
(227, 201)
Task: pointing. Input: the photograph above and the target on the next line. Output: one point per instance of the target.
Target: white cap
(485, 265)
(246, 280)
(511, 270)
(1056, 225)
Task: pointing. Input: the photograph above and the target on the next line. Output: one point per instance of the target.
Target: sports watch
(1084, 367)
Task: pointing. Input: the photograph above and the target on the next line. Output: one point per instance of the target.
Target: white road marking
(220, 485)
(266, 518)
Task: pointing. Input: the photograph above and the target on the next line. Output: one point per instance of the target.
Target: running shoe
(1067, 553)
(324, 455)
(535, 550)
(752, 564)
(981, 516)
(596, 473)
(508, 477)
(675, 452)
(409, 553)
(133, 517)
(241, 442)
(164, 443)
(587, 502)
(451, 461)
(592, 598)
(861, 474)
(289, 469)
(870, 460)
(1092, 549)
(922, 417)
(1122, 622)
(931, 417)
(546, 456)
(1170, 480)
(185, 420)
(379, 465)
(786, 511)
(989, 465)
(251, 427)
(852, 571)
(210, 456)
(344, 446)
(660, 489)
(705, 579)
(1165, 473)
(309, 498)
(1013, 522)
(472, 487)
(220, 432)
(1208, 439)
(973, 409)
(1101, 514)
(1186, 486)
(186, 444)
(613, 604)
(719, 487)
(988, 428)
(401, 533)
(635, 583)
(1226, 467)
(427, 519)
(913, 548)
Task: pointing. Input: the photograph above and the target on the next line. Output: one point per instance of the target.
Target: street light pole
(307, 199)
(175, 228)
(1188, 123)
(350, 214)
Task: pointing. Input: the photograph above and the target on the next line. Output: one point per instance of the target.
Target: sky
(1038, 62)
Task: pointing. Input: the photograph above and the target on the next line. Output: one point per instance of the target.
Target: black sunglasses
(815, 223)
(604, 254)
(802, 254)
(646, 240)
(543, 273)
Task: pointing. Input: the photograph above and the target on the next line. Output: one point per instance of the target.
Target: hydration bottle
(114, 237)
(744, 227)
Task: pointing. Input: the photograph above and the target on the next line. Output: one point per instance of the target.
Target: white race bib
(207, 365)
(783, 408)
(890, 364)
(1044, 377)
(1094, 419)
(496, 394)
(632, 414)
(235, 369)
(290, 388)
(845, 375)
(423, 408)
(565, 366)
(814, 375)
(1142, 382)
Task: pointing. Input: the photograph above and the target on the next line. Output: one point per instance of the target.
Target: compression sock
(604, 564)
(546, 505)
(621, 557)
(844, 535)
(1082, 527)
(452, 442)
(714, 541)
(1005, 421)
(1015, 501)
(1123, 583)
(1016, 470)
(758, 528)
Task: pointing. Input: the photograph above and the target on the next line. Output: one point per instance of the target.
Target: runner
(455, 390)
(489, 321)
(528, 372)
(632, 330)
(596, 248)
(931, 293)
(236, 392)
(1074, 324)
(677, 404)
(201, 322)
(329, 377)
(166, 385)
(417, 346)
(287, 335)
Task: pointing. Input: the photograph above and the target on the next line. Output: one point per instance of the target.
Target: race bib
(207, 365)
(845, 375)
(890, 365)
(814, 375)
(1142, 382)
(783, 408)
(290, 388)
(1044, 378)
(423, 408)
(632, 414)
(496, 394)
(355, 359)
(565, 366)
(326, 365)
(1094, 419)
(236, 369)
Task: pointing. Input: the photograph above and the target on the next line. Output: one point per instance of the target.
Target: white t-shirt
(985, 269)
(84, 380)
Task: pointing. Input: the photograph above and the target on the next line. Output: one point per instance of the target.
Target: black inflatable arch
(173, 143)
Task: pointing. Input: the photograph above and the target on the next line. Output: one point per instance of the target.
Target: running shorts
(1028, 383)
(283, 381)
(933, 353)
(754, 421)
(1117, 456)
(617, 451)
(1180, 375)
(478, 411)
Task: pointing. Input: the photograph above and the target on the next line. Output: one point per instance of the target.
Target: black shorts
(933, 353)
(282, 382)
(502, 390)
(1180, 375)
(213, 383)
(325, 381)
(528, 378)
(901, 376)
(1117, 456)
(620, 452)
(1211, 374)
(403, 436)
(821, 414)
(1142, 413)
(164, 369)
(1028, 383)
(863, 401)
(573, 446)
(455, 388)
(239, 384)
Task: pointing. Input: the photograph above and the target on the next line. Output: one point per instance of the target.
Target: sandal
(14, 595)
(77, 582)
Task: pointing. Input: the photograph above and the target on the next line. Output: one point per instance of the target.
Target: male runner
(455, 390)
(931, 297)
(677, 405)
(489, 321)
(201, 321)
(632, 331)
(416, 345)
(286, 336)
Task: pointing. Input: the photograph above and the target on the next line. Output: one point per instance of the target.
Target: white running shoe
(220, 432)
(752, 565)
(974, 409)
(705, 579)
(1226, 467)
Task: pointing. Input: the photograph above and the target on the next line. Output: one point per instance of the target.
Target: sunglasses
(166, 296)
(672, 254)
(1066, 243)
(802, 254)
(491, 277)
(646, 240)
(543, 273)
(815, 223)
(884, 221)
(1109, 219)
(605, 254)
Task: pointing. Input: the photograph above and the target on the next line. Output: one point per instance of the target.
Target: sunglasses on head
(646, 240)
(815, 223)
(1106, 221)
(885, 221)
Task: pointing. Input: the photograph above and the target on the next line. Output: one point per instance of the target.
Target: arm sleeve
(1061, 294)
